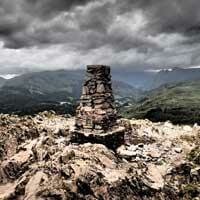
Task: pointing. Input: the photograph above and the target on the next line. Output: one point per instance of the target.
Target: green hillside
(179, 103)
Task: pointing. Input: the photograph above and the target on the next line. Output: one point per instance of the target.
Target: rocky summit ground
(38, 161)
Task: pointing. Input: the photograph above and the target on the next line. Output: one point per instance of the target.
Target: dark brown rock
(112, 139)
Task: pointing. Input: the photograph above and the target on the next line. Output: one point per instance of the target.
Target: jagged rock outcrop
(43, 164)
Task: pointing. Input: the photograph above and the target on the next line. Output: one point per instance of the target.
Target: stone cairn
(96, 111)
(96, 116)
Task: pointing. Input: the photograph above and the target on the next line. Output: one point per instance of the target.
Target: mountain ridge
(175, 75)
(50, 87)
(2, 81)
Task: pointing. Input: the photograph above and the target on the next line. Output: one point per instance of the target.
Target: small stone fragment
(178, 150)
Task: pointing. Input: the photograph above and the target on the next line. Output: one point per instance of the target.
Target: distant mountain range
(138, 79)
(60, 89)
(174, 75)
(2, 81)
(149, 80)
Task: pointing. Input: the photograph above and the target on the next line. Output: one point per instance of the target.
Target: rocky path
(38, 161)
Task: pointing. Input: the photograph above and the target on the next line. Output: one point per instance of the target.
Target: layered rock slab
(112, 139)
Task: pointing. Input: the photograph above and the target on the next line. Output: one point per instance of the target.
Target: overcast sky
(139, 34)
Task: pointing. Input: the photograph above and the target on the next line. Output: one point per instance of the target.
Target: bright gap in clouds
(9, 76)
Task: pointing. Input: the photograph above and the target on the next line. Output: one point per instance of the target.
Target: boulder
(112, 139)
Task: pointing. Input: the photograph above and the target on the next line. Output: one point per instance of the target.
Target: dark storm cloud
(8, 27)
(163, 17)
(9, 22)
(17, 17)
(48, 8)
(137, 32)
(166, 15)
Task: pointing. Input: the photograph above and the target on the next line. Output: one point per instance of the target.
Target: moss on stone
(194, 155)
(191, 190)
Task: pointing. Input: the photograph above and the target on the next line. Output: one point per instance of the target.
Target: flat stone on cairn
(96, 115)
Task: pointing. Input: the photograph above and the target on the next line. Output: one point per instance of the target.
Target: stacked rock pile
(96, 112)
